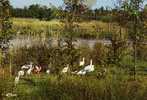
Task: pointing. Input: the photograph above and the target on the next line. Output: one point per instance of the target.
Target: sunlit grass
(70, 87)
(82, 29)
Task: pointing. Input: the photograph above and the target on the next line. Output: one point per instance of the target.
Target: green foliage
(99, 54)
(37, 54)
(5, 23)
(133, 7)
(105, 18)
(6, 32)
(85, 51)
(35, 11)
(70, 52)
(142, 52)
(6, 86)
(116, 87)
(5, 15)
(57, 57)
(117, 50)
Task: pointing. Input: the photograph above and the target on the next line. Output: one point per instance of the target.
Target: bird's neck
(83, 59)
(91, 62)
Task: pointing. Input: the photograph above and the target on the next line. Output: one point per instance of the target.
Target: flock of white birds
(28, 69)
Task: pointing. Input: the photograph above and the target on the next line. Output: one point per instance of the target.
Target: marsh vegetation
(57, 50)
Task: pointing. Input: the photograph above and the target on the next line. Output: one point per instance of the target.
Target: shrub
(85, 51)
(37, 54)
(142, 52)
(99, 53)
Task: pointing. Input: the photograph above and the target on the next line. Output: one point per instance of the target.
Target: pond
(27, 41)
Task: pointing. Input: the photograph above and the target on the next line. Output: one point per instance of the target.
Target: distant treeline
(46, 13)
(34, 11)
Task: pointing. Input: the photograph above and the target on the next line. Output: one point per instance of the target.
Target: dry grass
(56, 27)
(36, 24)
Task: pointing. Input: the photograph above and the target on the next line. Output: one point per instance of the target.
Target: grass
(54, 28)
(118, 86)
(36, 27)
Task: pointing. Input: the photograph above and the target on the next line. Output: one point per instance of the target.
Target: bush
(99, 53)
(142, 52)
(85, 51)
(57, 57)
(37, 54)
(84, 88)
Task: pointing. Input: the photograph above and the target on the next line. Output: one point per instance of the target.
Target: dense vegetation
(35, 11)
(124, 55)
(47, 13)
(73, 87)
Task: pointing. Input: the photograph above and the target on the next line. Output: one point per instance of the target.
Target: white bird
(21, 73)
(65, 69)
(82, 63)
(29, 71)
(89, 68)
(75, 72)
(48, 71)
(11, 95)
(25, 67)
(16, 80)
(30, 65)
(30, 68)
(81, 72)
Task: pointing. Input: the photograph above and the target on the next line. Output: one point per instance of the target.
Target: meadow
(55, 28)
(118, 83)
(73, 52)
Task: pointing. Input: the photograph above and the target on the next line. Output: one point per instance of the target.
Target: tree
(6, 31)
(117, 49)
(99, 53)
(34, 11)
(5, 25)
(72, 10)
(132, 8)
(5, 15)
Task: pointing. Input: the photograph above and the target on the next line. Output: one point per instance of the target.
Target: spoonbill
(29, 71)
(20, 73)
(37, 69)
(26, 67)
(16, 80)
